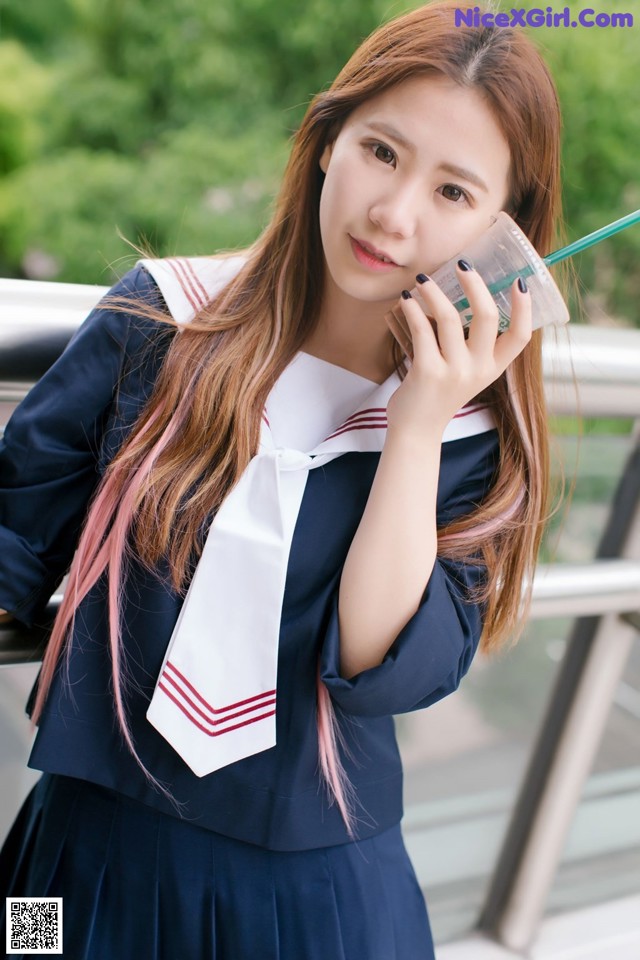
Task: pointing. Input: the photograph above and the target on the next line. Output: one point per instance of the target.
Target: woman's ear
(325, 157)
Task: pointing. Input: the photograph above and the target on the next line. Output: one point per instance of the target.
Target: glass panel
(466, 756)
(15, 742)
(464, 760)
(601, 859)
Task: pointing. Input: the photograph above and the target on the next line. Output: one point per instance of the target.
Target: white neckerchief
(215, 698)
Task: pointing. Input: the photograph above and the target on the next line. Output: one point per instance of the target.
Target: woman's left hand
(447, 369)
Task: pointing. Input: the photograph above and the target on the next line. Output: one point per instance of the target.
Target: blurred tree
(24, 85)
(296, 51)
(170, 120)
(36, 24)
(60, 218)
(163, 119)
(596, 71)
(53, 214)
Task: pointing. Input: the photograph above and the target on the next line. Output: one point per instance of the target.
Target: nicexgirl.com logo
(540, 17)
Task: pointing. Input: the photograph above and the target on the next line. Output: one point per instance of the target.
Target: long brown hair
(201, 427)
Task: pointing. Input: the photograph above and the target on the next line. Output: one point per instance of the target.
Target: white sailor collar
(215, 698)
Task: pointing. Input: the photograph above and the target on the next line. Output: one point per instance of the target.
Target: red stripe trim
(361, 417)
(375, 419)
(373, 423)
(361, 413)
(194, 305)
(205, 703)
(188, 287)
(213, 733)
(380, 425)
(266, 420)
(182, 266)
(216, 723)
(196, 280)
(465, 412)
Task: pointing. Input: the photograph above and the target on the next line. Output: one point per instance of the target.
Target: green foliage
(155, 124)
(568, 426)
(170, 121)
(23, 86)
(65, 209)
(596, 71)
(193, 193)
(296, 50)
(35, 24)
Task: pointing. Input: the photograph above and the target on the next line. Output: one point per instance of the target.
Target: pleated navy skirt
(141, 885)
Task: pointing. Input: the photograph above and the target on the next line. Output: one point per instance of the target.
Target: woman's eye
(451, 192)
(383, 153)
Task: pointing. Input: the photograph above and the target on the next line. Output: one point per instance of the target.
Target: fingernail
(464, 265)
(522, 285)
(422, 278)
(406, 295)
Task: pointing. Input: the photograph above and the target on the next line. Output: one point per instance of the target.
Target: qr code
(34, 925)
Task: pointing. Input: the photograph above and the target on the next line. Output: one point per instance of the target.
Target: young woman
(293, 516)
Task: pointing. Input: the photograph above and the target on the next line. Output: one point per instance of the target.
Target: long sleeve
(434, 650)
(50, 455)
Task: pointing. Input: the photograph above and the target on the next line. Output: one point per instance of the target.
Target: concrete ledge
(475, 948)
(606, 931)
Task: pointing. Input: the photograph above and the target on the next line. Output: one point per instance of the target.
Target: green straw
(602, 234)
(562, 254)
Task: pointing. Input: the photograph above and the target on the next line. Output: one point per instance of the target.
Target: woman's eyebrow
(464, 174)
(390, 131)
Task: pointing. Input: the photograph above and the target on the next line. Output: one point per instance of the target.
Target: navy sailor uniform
(266, 810)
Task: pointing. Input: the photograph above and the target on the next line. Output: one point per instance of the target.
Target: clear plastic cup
(501, 255)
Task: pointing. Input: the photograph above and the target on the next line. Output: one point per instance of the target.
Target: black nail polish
(422, 278)
(464, 265)
(522, 285)
(406, 295)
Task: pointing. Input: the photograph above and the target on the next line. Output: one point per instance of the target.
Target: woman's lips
(370, 260)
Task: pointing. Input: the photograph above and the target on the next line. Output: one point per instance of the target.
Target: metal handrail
(589, 675)
(586, 589)
(559, 590)
(604, 594)
(605, 360)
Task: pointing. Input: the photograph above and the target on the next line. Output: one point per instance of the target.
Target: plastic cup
(501, 255)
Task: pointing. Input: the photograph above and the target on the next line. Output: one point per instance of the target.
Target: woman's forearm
(393, 552)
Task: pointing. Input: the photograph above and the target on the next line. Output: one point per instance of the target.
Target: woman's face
(415, 173)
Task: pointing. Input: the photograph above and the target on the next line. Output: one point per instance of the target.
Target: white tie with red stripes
(215, 697)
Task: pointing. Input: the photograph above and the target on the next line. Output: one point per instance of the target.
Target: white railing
(605, 362)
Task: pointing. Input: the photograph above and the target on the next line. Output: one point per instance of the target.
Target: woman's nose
(397, 212)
